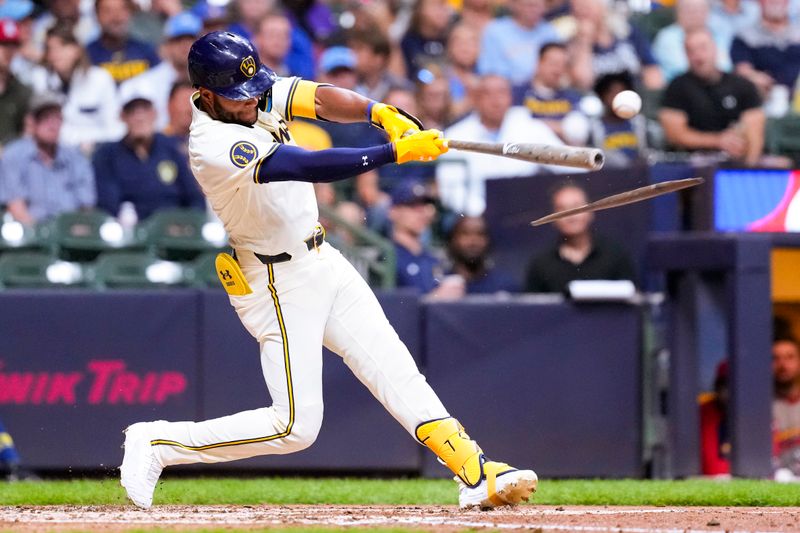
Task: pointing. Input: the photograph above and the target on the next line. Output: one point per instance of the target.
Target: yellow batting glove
(393, 121)
(424, 145)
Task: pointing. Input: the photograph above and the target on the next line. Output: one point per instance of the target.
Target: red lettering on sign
(39, 388)
(62, 388)
(14, 387)
(102, 371)
(123, 388)
(171, 383)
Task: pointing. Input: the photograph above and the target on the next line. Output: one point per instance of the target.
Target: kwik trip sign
(102, 382)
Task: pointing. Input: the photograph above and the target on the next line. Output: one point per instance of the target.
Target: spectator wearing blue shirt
(547, 97)
(468, 248)
(411, 214)
(145, 168)
(768, 53)
(510, 45)
(40, 177)
(425, 40)
(115, 50)
(605, 43)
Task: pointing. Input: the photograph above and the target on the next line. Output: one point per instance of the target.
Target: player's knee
(306, 426)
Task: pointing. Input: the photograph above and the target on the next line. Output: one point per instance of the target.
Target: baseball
(626, 104)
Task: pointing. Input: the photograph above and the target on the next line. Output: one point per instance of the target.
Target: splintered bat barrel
(623, 198)
(545, 154)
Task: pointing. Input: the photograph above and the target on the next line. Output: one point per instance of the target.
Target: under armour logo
(225, 274)
(364, 159)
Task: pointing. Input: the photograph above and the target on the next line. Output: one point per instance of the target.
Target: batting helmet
(228, 65)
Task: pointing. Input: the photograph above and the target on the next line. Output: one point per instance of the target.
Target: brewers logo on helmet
(228, 65)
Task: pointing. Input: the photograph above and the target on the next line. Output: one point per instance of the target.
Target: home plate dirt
(426, 518)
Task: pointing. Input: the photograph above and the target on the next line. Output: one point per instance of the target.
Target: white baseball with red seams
(626, 104)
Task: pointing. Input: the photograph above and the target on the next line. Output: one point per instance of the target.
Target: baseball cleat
(501, 485)
(140, 468)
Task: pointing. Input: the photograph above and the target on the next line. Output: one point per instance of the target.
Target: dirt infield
(428, 518)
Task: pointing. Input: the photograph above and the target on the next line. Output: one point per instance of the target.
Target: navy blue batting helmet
(228, 65)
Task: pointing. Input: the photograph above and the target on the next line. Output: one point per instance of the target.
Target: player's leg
(287, 313)
(358, 330)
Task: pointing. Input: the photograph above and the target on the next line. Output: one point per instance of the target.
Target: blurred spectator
(314, 17)
(578, 254)
(786, 405)
(273, 38)
(115, 50)
(337, 66)
(476, 14)
(463, 47)
(180, 114)
(424, 43)
(13, 95)
(10, 465)
(215, 17)
(412, 213)
(433, 99)
(768, 53)
(549, 97)
(604, 43)
(715, 439)
(145, 168)
(468, 249)
(668, 48)
(510, 45)
(42, 177)
(393, 175)
(74, 14)
(28, 54)
(91, 111)
(375, 201)
(148, 24)
(249, 14)
(621, 139)
(180, 32)
(706, 109)
(461, 176)
(372, 50)
(729, 17)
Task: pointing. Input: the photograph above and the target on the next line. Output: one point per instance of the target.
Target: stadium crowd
(95, 108)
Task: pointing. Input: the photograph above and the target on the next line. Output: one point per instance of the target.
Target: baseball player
(292, 290)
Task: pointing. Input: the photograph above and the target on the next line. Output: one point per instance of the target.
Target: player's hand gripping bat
(624, 198)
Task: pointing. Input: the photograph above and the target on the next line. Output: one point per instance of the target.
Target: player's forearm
(340, 105)
(291, 163)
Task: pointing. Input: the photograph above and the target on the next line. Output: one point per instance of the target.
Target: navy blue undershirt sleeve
(291, 163)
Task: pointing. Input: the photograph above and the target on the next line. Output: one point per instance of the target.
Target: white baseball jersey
(316, 298)
(267, 218)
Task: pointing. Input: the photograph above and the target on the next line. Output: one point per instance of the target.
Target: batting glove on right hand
(425, 145)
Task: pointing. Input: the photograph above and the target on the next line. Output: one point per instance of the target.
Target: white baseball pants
(295, 308)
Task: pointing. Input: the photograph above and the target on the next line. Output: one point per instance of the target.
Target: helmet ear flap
(265, 102)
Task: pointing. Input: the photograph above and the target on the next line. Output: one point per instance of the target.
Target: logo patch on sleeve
(243, 153)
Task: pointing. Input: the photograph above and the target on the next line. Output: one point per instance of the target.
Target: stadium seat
(129, 270)
(38, 269)
(783, 137)
(16, 237)
(178, 234)
(82, 235)
(204, 272)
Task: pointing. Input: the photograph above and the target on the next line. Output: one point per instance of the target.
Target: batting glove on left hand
(424, 145)
(394, 121)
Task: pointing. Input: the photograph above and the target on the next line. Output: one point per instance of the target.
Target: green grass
(353, 491)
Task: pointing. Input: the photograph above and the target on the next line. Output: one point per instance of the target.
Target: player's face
(785, 362)
(244, 112)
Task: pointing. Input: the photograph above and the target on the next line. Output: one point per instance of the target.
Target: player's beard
(226, 116)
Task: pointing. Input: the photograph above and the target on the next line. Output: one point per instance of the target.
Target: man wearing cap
(13, 95)
(41, 178)
(145, 168)
(180, 32)
(115, 50)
